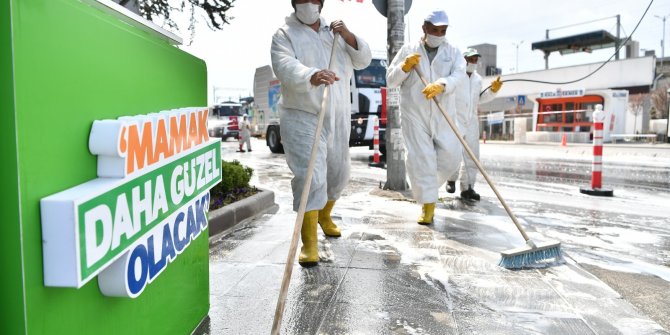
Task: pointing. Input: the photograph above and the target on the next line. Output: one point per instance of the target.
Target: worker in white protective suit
(467, 99)
(433, 151)
(300, 57)
(245, 133)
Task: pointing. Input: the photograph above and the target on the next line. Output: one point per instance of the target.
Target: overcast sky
(233, 54)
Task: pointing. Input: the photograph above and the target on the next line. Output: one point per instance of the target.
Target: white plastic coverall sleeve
(297, 53)
(467, 100)
(433, 151)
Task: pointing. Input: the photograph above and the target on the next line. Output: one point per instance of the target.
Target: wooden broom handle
(474, 159)
(288, 269)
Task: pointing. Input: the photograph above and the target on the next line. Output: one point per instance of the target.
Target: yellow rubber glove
(410, 62)
(496, 85)
(432, 90)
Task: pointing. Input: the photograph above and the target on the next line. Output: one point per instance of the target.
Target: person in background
(245, 133)
(300, 53)
(433, 151)
(467, 99)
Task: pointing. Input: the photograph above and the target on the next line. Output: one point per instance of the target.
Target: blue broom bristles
(530, 258)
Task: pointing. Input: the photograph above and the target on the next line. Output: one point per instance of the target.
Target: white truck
(223, 120)
(367, 105)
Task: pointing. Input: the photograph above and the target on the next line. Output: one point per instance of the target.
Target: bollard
(376, 160)
(484, 136)
(564, 141)
(597, 166)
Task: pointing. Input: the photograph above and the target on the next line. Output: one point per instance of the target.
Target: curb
(230, 215)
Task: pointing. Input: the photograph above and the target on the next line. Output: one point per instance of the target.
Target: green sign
(66, 64)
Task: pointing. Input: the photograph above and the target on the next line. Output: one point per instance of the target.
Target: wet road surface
(388, 275)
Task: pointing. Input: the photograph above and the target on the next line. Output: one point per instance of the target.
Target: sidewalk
(389, 275)
(655, 154)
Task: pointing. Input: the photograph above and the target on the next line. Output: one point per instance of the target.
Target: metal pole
(517, 58)
(517, 55)
(546, 54)
(663, 44)
(618, 29)
(395, 150)
(662, 41)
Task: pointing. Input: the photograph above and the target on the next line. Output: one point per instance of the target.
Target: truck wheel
(274, 140)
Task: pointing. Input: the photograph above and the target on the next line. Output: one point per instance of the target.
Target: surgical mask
(307, 13)
(434, 41)
(471, 68)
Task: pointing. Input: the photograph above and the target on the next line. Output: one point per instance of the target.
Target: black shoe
(241, 151)
(470, 194)
(249, 150)
(451, 186)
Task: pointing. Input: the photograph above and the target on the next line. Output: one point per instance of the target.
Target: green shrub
(233, 176)
(234, 185)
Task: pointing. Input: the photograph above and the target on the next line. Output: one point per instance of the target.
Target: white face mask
(434, 41)
(307, 13)
(471, 68)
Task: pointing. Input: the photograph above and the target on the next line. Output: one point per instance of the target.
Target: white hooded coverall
(297, 53)
(245, 133)
(467, 99)
(433, 151)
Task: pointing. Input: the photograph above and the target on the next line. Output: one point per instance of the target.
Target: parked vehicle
(267, 91)
(223, 120)
(366, 105)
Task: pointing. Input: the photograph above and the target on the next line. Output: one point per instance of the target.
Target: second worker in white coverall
(245, 133)
(300, 53)
(433, 151)
(467, 99)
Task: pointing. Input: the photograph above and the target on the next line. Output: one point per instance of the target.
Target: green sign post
(67, 64)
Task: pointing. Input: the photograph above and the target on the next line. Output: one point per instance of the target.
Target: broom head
(530, 255)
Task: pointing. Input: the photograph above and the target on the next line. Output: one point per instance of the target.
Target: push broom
(288, 269)
(516, 258)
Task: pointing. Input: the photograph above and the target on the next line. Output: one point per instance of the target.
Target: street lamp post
(517, 55)
(662, 18)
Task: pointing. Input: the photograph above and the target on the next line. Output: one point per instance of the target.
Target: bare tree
(659, 98)
(635, 106)
(215, 10)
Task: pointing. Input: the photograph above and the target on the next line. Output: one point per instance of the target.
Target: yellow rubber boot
(327, 225)
(309, 253)
(427, 211)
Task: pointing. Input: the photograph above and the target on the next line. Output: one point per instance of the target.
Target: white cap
(437, 17)
(471, 52)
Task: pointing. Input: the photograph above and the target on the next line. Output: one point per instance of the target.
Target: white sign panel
(149, 202)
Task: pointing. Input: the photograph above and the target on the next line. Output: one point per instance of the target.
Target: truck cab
(367, 104)
(223, 120)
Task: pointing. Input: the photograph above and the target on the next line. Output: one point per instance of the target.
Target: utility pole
(662, 40)
(396, 179)
(618, 38)
(546, 54)
(517, 55)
